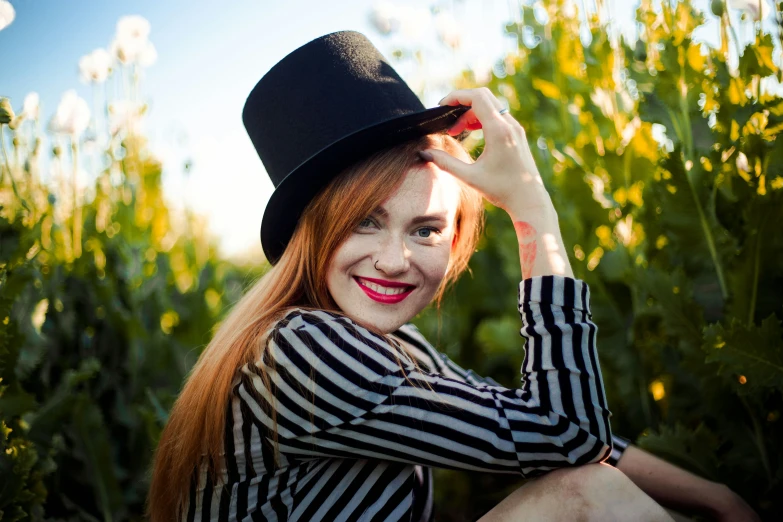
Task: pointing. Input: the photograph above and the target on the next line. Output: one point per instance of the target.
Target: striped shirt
(359, 428)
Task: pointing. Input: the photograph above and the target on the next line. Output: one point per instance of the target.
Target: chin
(386, 323)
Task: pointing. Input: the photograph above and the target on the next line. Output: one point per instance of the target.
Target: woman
(316, 399)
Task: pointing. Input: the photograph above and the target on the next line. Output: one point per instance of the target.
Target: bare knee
(606, 493)
(589, 492)
(589, 479)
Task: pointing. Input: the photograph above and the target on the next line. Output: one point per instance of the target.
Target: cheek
(435, 261)
(351, 251)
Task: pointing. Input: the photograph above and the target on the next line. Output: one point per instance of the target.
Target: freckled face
(390, 267)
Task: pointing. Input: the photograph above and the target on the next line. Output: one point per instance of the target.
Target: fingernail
(441, 100)
(426, 156)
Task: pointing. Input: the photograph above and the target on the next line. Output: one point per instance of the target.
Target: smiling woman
(400, 254)
(317, 399)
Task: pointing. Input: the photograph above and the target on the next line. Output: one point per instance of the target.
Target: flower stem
(687, 137)
(758, 33)
(11, 174)
(77, 209)
(731, 28)
(708, 236)
(756, 270)
(779, 25)
(758, 439)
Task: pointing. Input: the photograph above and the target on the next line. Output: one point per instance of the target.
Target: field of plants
(663, 161)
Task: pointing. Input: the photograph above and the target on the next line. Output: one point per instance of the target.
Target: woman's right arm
(339, 392)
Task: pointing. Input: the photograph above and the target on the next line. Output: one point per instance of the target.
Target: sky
(210, 55)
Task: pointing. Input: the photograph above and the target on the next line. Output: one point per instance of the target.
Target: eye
(429, 231)
(366, 223)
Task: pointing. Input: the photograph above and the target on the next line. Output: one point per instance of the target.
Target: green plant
(105, 306)
(664, 162)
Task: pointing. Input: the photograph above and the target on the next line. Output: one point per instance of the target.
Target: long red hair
(195, 429)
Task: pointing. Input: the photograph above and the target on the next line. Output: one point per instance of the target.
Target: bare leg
(593, 492)
(677, 516)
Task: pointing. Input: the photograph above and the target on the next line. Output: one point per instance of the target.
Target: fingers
(509, 118)
(449, 163)
(484, 112)
(481, 99)
(468, 121)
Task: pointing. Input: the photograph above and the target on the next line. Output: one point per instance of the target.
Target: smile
(382, 293)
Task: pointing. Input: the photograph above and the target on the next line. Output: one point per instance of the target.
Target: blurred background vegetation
(663, 162)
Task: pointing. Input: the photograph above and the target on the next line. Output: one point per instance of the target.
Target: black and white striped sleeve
(341, 391)
(446, 366)
(619, 445)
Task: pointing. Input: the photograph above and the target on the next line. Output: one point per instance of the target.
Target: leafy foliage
(22, 490)
(95, 346)
(663, 160)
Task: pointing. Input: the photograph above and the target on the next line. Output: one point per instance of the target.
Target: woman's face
(391, 265)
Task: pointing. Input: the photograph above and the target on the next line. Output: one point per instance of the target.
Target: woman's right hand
(505, 172)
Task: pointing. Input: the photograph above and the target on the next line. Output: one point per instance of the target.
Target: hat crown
(324, 106)
(326, 89)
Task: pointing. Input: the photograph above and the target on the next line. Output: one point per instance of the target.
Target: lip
(383, 298)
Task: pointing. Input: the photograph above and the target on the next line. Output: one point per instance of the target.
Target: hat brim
(302, 184)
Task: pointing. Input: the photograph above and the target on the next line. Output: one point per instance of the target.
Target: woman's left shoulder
(411, 333)
(302, 318)
(334, 326)
(409, 329)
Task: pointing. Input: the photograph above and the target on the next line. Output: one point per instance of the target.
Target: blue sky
(210, 55)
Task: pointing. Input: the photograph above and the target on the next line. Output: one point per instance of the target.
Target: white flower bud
(751, 8)
(95, 67)
(31, 105)
(7, 14)
(72, 116)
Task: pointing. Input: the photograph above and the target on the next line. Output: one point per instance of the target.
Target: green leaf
(16, 403)
(615, 264)
(694, 450)
(751, 357)
(670, 295)
(94, 441)
(47, 420)
(687, 216)
(757, 59)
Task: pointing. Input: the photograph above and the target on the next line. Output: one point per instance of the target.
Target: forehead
(425, 189)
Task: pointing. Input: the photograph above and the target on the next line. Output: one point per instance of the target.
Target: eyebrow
(440, 216)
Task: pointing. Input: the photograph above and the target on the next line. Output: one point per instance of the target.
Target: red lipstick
(383, 298)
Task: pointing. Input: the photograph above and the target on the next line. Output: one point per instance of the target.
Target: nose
(393, 256)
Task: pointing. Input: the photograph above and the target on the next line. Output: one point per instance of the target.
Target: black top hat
(329, 103)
